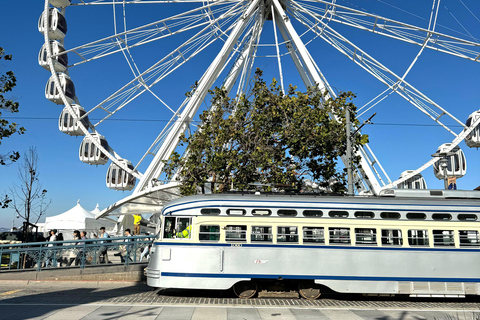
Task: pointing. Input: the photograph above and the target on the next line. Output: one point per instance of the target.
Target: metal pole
(349, 154)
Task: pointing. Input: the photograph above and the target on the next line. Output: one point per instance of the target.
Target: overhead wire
(198, 121)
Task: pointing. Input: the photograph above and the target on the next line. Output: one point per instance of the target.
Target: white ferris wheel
(131, 59)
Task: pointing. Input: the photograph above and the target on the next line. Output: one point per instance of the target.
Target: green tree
(7, 82)
(269, 138)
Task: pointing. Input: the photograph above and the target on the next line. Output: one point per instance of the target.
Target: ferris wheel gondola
(233, 35)
(57, 24)
(60, 61)
(472, 140)
(67, 89)
(68, 121)
(90, 153)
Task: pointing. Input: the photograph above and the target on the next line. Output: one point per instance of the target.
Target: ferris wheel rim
(115, 157)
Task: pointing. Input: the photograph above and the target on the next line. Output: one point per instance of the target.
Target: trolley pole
(349, 154)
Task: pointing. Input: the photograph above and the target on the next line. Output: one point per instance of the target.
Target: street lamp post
(443, 164)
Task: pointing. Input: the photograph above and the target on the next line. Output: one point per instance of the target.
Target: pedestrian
(73, 253)
(125, 250)
(82, 244)
(103, 252)
(50, 253)
(146, 250)
(136, 223)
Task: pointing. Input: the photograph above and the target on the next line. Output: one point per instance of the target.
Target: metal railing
(75, 253)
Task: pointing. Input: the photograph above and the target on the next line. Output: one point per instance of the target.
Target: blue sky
(401, 137)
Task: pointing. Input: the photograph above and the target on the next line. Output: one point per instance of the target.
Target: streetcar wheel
(245, 289)
(309, 290)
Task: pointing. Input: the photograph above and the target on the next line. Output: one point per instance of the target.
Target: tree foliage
(7, 82)
(28, 197)
(268, 138)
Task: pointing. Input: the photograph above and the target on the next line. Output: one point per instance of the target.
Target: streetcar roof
(391, 197)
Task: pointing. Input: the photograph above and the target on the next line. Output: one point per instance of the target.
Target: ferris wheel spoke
(160, 70)
(383, 26)
(375, 68)
(148, 33)
(244, 48)
(155, 168)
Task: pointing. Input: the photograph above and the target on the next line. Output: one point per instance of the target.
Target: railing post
(40, 259)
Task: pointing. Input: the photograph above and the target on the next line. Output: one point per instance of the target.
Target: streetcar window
(390, 215)
(210, 211)
(209, 233)
(467, 217)
(365, 236)
(416, 216)
(312, 213)
(176, 227)
(261, 212)
(287, 234)
(236, 212)
(443, 238)
(261, 234)
(441, 216)
(286, 213)
(364, 214)
(469, 238)
(313, 234)
(418, 237)
(169, 229)
(236, 233)
(339, 235)
(392, 237)
(338, 214)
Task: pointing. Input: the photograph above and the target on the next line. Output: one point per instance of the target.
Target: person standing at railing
(81, 252)
(125, 250)
(103, 252)
(73, 254)
(49, 254)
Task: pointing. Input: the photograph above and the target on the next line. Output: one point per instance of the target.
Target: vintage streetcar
(412, 242)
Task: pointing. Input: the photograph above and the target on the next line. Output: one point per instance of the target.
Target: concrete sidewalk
(130, 273)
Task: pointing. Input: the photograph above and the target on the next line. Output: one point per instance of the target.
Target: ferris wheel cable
(190, 20)
(174, 59)
(448, 148)
(469, 10)
(375, 68)
(131, 61)
(397, 30)
(459, 23)
(375, 101)
(405, 11)
(431, 26)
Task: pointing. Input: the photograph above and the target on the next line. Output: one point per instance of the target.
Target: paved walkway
(181, 312)
(110, 300)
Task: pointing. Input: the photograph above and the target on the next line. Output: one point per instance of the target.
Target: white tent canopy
(77, 218)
